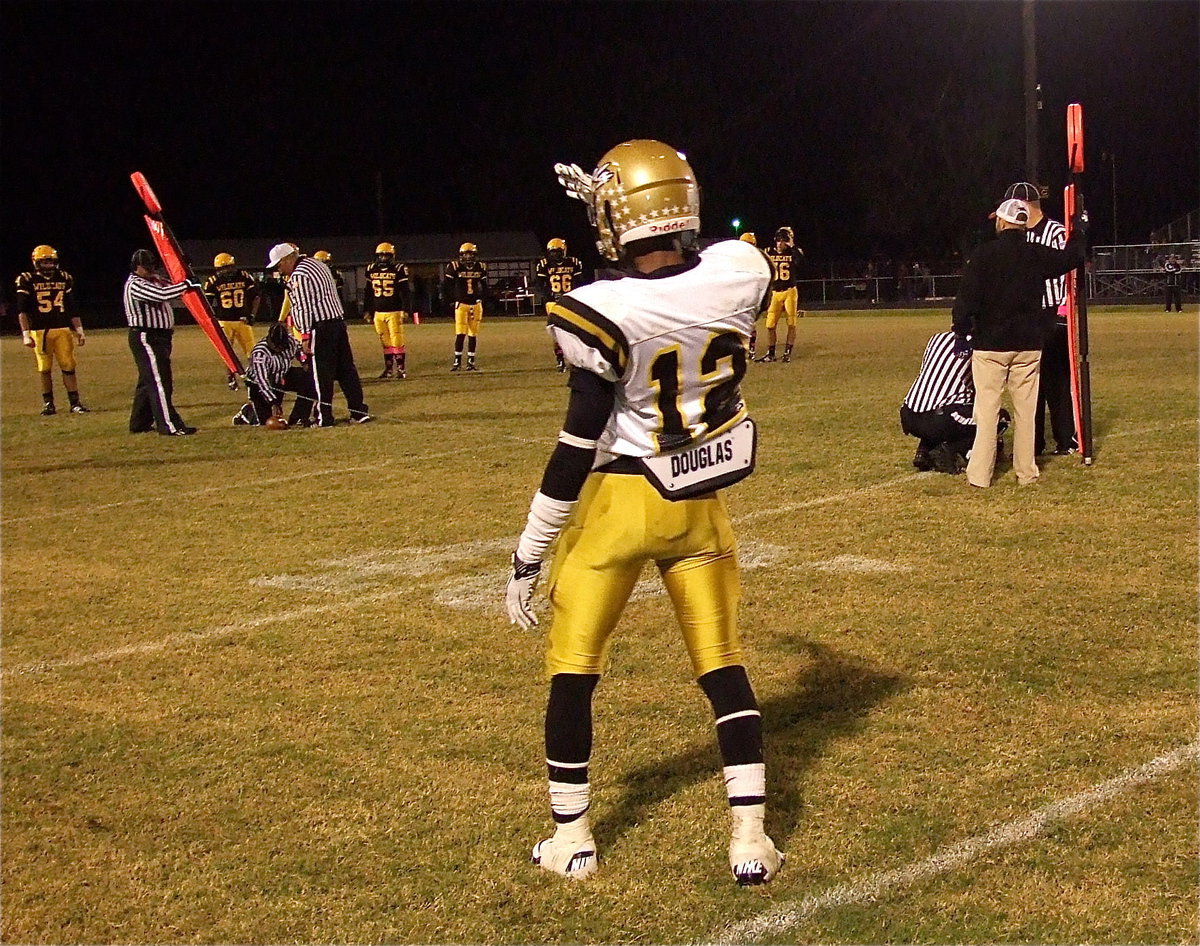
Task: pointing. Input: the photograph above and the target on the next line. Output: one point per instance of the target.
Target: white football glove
(518, 594)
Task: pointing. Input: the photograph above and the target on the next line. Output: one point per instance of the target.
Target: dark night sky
(867, 125)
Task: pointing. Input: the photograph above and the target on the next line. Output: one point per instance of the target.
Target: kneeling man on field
(939, 408)
(999, 314)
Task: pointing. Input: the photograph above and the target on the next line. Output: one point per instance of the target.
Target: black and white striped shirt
(267, 367)
(147, 303)
(944, 378)
(1050, 233)
(314, 294)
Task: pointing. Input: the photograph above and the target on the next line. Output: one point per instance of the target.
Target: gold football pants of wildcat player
(621, 523)
(51, 345)
(389, 326)
(784, 303)
(240, 335)
(467, 318)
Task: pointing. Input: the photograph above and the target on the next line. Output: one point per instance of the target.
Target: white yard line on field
(187, 494)
(1161, 428)
(346, 576)
(174, 497)
(783, 918)
(835, 498)
(205, 634)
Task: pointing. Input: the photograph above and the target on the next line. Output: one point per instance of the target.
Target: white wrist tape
(546, 518)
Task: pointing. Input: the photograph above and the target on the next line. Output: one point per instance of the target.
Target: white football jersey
(674, 344)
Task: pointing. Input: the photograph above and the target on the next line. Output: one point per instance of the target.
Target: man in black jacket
(999, 313)
(1174, 270)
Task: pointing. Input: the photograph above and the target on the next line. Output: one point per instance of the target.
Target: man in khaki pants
(999, 314)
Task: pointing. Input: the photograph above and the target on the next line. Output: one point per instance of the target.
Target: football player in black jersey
(785, 259)
(557, 274)
(49, 324)
(234, 297)
(387, 301)
(466, 277)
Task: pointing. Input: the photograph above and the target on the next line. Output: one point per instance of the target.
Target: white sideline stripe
(187, 637)
(781, 919)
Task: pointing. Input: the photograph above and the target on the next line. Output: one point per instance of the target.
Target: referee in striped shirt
(1054, 384)
(318, 316)
(151, 320)
(939, 406)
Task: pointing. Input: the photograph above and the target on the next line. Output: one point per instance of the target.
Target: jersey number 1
(721, 387)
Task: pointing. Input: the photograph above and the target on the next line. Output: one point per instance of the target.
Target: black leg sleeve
(569, 726)
(739, 722)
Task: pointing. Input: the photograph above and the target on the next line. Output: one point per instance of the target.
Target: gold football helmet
(784, 235)
(323, 256)
(223, 259)
(642, 188)
(466, 249)
(385, 249)
(557, 244)
(749, 237)
(44, 254)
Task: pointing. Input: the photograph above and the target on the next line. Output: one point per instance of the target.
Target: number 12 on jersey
(696, 397)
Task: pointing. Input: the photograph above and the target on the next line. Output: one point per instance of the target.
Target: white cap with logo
(279, 252)
(1014, 211)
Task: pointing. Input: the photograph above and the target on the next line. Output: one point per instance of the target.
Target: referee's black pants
(262, 403)
(332, 360)
(1054, 392)
(152, 407)
(934, 428)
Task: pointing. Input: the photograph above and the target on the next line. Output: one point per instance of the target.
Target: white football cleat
(574, 859)
(754, 860)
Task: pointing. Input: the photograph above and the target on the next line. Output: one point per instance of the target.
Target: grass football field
(258, 686)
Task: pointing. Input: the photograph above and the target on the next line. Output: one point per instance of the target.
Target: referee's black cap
(142, 258)
(1025, 191)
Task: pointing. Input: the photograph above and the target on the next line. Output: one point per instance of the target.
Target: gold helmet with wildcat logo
(640, 189)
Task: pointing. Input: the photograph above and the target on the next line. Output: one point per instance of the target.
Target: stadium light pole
(1112, 166)
(1032, 90)
(736, 223)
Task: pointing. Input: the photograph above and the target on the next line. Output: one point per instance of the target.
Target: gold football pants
(467, 318)
(240, 335)
(783, 303)
(54, 344)
(621, 523)
(389, 326)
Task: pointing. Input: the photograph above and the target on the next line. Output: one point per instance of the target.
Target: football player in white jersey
(655, 427)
